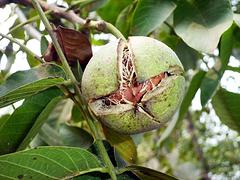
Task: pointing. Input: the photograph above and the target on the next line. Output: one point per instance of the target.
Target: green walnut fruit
(133, 86)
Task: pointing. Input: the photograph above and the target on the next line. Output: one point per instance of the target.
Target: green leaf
(58, 130)
(78, 71)
(150, 14)
(123, 144)
(36, 142)
(21, 122)
(66, 136)
(209, 86)
(23, 84)
(150, 174)
(213, 77)
(166, 37)
(77, 137)
(50, 136)
(61, 113)
(44, 44)
(3, 119)
(187, 55)
(19, 32)
(124, 19)
(38, 123)
(192, 90)
(32, 61)
(227, 105)
(48, 163)
(200, 23)
(76, 115)
(226, 46)
(111, 10)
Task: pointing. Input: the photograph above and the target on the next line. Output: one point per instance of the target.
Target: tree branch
(22, 2)
(33, 19)
(31, 31)
(23, 47)
(56, 10)
(70, 15)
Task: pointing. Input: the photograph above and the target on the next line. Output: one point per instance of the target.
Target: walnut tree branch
(31, 31)
(69, 15)
(23, 47)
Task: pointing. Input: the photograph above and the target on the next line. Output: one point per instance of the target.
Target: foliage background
(205, 34)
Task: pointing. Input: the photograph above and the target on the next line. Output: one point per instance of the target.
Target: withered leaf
(75, 45)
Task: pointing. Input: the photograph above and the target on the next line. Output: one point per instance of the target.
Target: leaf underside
(47, 163)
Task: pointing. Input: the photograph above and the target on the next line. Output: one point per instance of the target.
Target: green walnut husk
(134, 86)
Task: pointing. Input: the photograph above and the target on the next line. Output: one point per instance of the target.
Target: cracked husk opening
(131, 94)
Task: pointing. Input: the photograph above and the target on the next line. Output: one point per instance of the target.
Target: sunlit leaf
(200, 23)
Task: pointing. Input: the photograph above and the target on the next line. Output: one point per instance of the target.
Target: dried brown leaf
(75, 45)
